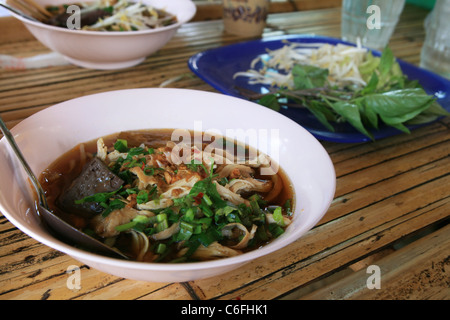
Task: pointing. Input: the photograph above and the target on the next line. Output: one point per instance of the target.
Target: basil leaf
(367, 68)
(351, 113)
(322, 113)
(370, 116)
(371, 85)
(398, 106)
(270, 101)
(386, 61)
(308, 77)
(436, 109)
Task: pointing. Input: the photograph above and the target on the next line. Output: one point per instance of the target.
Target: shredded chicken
(249, 184)
(155, 204)
(230, 229)
(144, 180)
(230, 195)
(276, 189)
(115, 155)
(180, 188)
(234, 171)
(167, 233)
(102, 150)
(105, 227)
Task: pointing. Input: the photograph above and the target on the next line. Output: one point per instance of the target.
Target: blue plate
(217, 67)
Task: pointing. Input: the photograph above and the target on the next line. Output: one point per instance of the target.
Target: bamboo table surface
(391, 207)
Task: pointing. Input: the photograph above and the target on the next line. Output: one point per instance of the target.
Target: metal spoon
(57, 225)
(18, 12)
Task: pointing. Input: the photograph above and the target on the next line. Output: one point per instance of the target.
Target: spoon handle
(34, 180)
(17, 11)
(59, 226)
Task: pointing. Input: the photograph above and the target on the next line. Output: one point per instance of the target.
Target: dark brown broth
(60, 174)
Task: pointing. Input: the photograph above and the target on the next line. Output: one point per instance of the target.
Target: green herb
(161, 248)
(142, 196)
(389, 97)
(223, 181)
(121, 145)
(275, 230)
(195, 165)
(112, 205)
(138, 220)
(98, 197)
(137, 151)
(278, 217)
(308, 77)
(109, 9)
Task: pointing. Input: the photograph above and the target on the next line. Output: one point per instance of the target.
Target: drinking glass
(435, 54)
(372, 21)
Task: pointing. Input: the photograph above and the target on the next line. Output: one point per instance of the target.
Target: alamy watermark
(251, 146)
(73, 282)
(374, 20)
(73, 22)
(374, 280)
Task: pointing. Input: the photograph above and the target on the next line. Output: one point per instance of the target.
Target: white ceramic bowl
(46, 135)
(109, 50)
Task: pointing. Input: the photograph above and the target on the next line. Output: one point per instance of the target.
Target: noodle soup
(159, 200)
(109, 15)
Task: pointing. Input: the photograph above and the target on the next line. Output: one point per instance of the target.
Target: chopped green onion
(207, 200)
(121, 145)
(126, 226)
(136, 151)
(288, 207)
(198, 229)
(161, 248)
(187, 226)
(182, 235)
(192, 245)
(210, 236)
(114, 204)
(223, 181)
(161, 217)
(140, 219)
(163, 222)
(261, 233)
(205, 221)
(189, 215)
(207, 211)
(275, 230)
(98, 197)
(278, 216)
(142, 196)
(255, 207)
